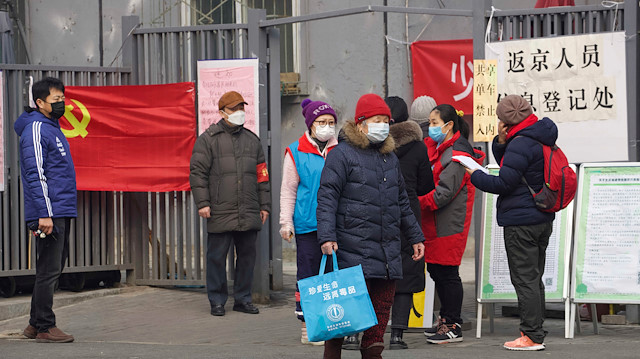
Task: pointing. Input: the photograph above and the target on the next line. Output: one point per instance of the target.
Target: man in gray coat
(230, 185)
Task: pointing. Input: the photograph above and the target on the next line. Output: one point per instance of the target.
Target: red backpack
(559, 181)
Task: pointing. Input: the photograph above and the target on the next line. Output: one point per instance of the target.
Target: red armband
(262, 172)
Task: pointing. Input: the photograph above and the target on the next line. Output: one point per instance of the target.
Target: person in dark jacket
(446, 216)
(363, 209)
(418, 179)
(517, 148)
(230, 185)
(50, 200)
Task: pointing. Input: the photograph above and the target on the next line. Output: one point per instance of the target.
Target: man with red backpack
(518, 148)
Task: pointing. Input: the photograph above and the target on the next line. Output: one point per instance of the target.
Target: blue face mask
(436, 134)
(378, 132)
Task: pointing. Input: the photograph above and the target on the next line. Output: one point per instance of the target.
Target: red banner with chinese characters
(444, 71)
(131, 138)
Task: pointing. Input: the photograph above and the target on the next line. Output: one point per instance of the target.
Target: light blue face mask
(436, 134)
(378, 132)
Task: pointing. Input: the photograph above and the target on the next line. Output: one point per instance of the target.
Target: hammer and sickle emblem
(79, 127)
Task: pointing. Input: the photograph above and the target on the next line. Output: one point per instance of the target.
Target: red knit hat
(370, 105)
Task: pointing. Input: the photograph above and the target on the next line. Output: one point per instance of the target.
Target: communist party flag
(131, 138)
(444, 71)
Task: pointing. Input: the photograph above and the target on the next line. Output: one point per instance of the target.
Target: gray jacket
(228, 173)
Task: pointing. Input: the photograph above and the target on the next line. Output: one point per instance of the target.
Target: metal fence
(96, 241)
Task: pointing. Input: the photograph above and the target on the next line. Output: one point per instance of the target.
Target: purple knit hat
(314, 109)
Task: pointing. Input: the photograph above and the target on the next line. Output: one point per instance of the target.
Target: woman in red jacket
(446, 216)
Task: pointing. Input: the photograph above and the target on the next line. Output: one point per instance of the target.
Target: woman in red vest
(446, 216)
(303, 163)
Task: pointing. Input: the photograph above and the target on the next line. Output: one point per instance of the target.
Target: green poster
(607, 238)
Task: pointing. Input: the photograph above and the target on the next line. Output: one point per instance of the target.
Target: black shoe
(245, 308)
(351, 342)
(217, 310)
(397, 343)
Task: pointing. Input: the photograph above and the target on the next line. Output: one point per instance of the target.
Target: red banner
(444, 71)
(131, 138)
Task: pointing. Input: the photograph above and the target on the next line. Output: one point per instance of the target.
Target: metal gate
(96, 242)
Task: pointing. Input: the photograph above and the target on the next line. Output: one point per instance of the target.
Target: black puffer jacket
(225, 165)
(363, 205)
(418, 179)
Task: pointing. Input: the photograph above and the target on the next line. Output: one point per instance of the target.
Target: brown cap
(513, 109)
(230, 99)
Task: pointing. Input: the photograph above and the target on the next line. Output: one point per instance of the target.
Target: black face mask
(57, 110)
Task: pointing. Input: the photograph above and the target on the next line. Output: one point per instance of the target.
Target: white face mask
(325, 133)
(378, 132)
(236, 118)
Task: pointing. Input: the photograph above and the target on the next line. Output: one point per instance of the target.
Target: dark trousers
(449, 289)
(381, 292)
(308, 257)
(51, 254)
(217, 249)
(526, 252)
(401, 309)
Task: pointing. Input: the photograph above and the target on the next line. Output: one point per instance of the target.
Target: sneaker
(54, 335)
(524, 343)
(448, 333)
(429, 332)
(351, 342)
(30, 332)
(304, 339)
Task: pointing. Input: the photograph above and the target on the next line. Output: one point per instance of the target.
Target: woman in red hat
(363, 209)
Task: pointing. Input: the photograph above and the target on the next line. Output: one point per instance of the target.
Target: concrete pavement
(146, 322)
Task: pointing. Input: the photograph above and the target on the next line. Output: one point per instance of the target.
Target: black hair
(41, 89)
(448, 113)
(398, 107)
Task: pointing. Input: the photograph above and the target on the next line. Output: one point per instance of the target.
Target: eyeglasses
(323, 123)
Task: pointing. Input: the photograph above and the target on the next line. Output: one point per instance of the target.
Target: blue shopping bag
(336, 304)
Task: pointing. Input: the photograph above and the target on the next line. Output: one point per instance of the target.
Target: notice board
(495, 282)
(607, 236)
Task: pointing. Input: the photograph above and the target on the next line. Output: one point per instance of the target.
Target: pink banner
(215, 77)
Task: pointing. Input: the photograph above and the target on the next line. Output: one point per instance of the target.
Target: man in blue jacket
(49, 182)
(518, 150)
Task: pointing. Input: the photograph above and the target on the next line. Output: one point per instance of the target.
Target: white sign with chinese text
(579, 82)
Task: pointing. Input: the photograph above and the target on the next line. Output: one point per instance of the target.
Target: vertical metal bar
(147, 235)
(95, 228)
(5, 231)
(188, 255)
(630, 16)
(275, 157)
(546, 30)
(258, 45)
(166, 228)
(172, 250)
(156, 233)
(121, 235)
(103, 228)
(528, 26)
(21, 258)
(590, 22)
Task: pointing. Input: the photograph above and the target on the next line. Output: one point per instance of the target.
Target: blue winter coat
(363, 205)
(46, 168)
(521, 155)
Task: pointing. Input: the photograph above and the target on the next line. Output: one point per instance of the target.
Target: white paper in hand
(470, 163)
